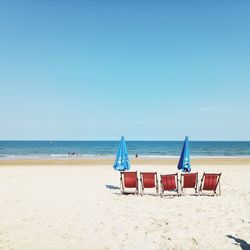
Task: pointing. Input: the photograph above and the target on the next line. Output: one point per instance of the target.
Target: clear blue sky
(143, 69)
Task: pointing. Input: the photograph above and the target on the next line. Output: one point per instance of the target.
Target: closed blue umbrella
(122, 162)
(184, 161)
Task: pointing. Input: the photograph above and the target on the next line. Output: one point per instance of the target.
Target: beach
(89, 88)
(76, 204)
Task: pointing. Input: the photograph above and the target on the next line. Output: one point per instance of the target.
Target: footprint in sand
(194, 241)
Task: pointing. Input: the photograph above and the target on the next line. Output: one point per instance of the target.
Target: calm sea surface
(67, 149)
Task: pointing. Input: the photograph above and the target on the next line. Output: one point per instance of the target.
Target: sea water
(69, 149)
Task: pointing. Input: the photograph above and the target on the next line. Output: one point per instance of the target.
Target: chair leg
(178, 192)
(161, 192)
(137, 187)
(196, 191)
(199, 190)
(157, 185)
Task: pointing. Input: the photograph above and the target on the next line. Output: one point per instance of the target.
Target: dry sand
(62, 205)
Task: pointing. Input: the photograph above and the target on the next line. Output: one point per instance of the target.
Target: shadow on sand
(243, 244)
(112, 187)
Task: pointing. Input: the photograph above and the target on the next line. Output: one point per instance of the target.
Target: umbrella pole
(121, 183)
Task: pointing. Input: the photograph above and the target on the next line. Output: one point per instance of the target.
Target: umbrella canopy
(184, 161)
(122, 162)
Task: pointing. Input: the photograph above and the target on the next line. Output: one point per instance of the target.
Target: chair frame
(142, 181)
(182, 182)
(122, 186)
(216, 186)
(176, 181)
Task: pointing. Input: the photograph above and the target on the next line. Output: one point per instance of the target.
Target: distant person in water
(136, 155)
(73, 153)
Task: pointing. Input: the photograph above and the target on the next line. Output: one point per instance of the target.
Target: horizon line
(102, 140)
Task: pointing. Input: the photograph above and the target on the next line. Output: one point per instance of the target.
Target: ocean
(69, 149)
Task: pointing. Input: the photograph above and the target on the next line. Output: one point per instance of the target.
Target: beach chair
(210, 182)
(129, 182)
(148, 180)
(188, 181)
(169, 183)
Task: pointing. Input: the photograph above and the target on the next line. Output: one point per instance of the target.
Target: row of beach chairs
(170, 183)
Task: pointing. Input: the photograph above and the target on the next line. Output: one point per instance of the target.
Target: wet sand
(134, 161)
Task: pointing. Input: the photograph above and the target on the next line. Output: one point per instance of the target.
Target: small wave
(155, 156)
(220, 156)
(60, 155)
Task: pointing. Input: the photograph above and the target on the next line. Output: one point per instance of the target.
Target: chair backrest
(210, 181)
(130, 179)
(148, 179)
(189, 180)
(169, 182)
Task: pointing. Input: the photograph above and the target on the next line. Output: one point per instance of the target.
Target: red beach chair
(148, 180)
(129, 180)
(189, 181)
(169, 182)
(210, 182)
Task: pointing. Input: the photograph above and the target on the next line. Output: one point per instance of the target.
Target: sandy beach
(89, 88)
(76, 204)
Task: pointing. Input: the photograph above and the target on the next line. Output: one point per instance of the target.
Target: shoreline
(151, 161)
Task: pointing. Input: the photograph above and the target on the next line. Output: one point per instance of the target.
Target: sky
(148, 70)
